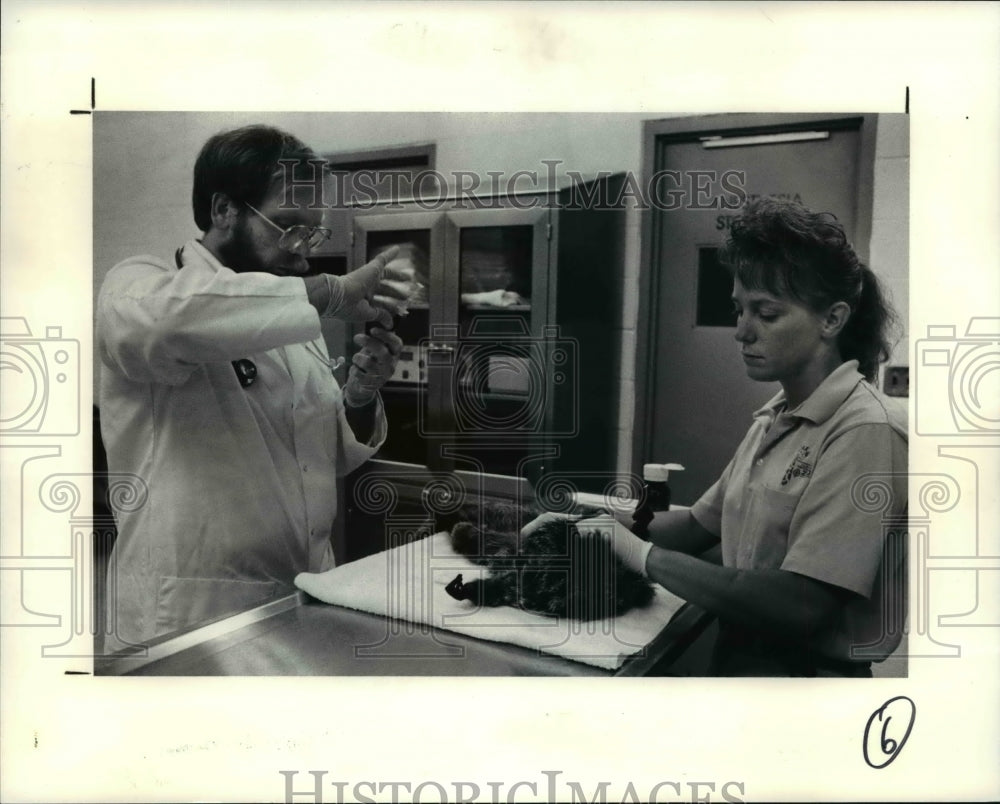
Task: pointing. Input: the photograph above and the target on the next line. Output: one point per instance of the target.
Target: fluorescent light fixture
(763, 139)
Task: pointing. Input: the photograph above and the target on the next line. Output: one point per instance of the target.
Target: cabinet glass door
(496, 396)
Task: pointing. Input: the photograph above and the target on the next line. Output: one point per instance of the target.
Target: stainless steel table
(297, 635)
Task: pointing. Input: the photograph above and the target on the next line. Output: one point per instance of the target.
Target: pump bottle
(655, 495)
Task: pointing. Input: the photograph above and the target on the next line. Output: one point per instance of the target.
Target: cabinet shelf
(510, 308)
(411, 388)
(498, 396)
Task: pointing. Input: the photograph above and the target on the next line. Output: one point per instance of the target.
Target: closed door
(702, 400)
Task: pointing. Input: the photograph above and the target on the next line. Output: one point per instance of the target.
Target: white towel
(408, 583)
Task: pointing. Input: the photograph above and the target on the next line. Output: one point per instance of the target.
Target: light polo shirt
(241, 481)
(815, 491)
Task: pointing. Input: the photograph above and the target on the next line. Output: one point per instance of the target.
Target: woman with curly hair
(811, 578)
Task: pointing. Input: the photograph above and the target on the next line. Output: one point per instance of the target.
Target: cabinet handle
(440, 347)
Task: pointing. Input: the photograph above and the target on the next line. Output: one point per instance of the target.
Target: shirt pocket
(185, 602)
(765, 542)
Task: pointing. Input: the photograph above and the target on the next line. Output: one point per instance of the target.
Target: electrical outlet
(897, 381)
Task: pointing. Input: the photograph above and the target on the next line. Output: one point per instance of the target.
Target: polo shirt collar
(767, 414)
(822, 403)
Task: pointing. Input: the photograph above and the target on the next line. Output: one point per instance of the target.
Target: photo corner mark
(93, 99)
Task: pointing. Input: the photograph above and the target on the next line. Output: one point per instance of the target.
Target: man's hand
(371, 366)
(374, 292)
(632, 550)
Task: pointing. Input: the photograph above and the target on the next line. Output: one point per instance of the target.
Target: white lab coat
(241, 481)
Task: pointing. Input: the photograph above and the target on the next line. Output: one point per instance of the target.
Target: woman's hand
(632, 550)
(542, 519)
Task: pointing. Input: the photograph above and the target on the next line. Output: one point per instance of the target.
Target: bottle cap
(659, 472)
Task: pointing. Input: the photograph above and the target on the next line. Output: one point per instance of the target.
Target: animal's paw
(457, 589)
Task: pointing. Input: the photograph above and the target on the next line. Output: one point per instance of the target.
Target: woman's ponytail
(866, 335)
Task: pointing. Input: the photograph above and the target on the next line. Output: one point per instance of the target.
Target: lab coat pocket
(771, 517)
(185, 602)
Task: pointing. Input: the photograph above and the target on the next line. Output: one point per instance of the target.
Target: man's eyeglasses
(298, 239)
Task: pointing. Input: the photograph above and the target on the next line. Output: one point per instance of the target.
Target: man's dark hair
(784, 249)
(244, 164)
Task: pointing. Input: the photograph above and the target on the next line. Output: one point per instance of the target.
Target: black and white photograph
(492, 413)
(437, 434)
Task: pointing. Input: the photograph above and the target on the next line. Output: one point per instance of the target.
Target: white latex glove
(548, 516)
(632, 550)
(374, 292)
(372, 366)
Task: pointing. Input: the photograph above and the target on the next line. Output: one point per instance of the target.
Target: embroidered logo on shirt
(799, 467)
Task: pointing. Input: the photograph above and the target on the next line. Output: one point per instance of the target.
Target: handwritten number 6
(888, 744)
(905, 710)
